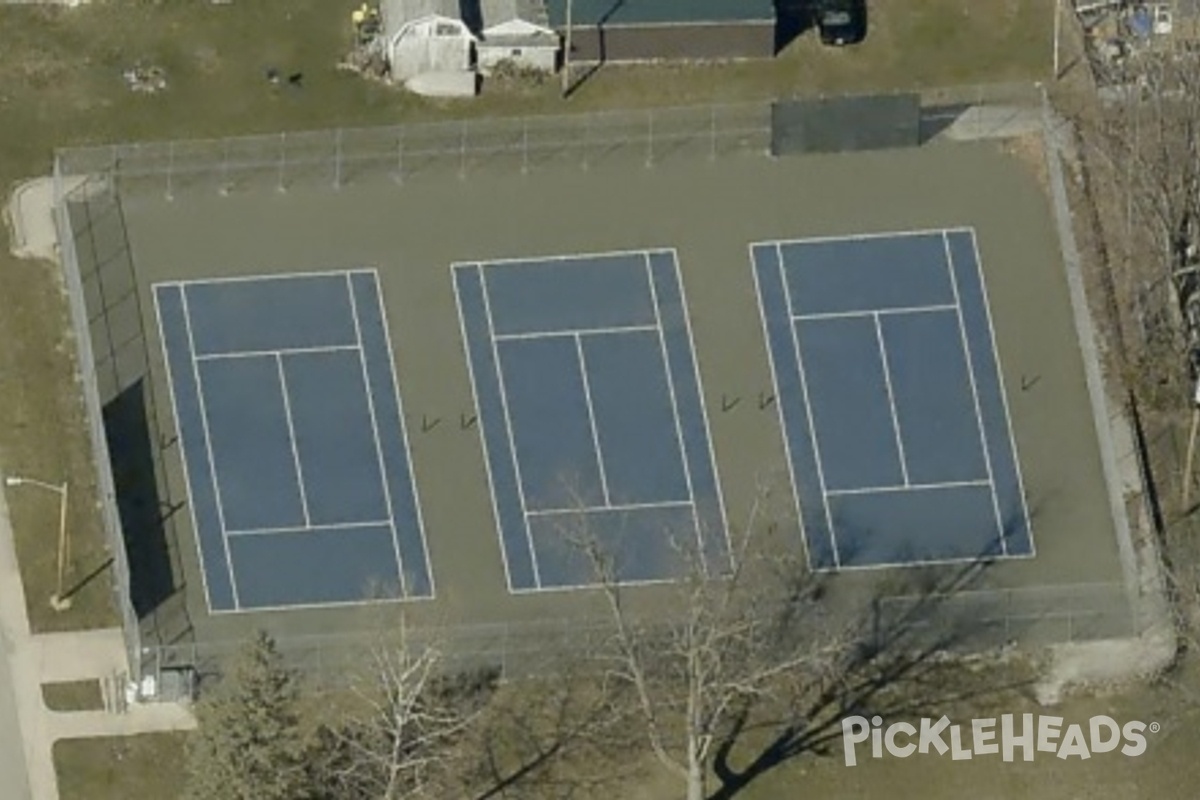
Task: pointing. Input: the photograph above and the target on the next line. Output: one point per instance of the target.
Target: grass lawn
(145, 767)
(73, 696)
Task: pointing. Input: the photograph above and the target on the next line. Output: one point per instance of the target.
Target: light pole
(57, 601)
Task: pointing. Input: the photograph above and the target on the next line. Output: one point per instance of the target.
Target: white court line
(812, 429)
(591, 414)
(876, 312)
(287, 415)
(853, 237)
(987, 454)
(712, 454)
(191, 504)
(547, 512)
(487, 456)
(662, 344)
(561, 257)
(293, 529)
(324, 605)
(887, 383)
(512, 444)
(908, 487)
(285, 351)
(266, 277)
(987, 312)
(212, 466)
(383, 474)
(503, 337)
(787, 445)
(412, 469)
(924, 562)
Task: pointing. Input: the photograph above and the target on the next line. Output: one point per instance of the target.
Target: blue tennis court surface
(891, 399)
(592, 417)
(293, 440)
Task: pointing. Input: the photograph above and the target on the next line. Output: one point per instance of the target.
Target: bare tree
(727, 640)
(398, 739)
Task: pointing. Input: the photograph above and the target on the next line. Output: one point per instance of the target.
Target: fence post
(524, 145)
(170, 169)
(282, 186)
(650, 138)
(462, 151)
(587, 135)
(400, 156)
(712, 129)
(224, 188)
(337, 159)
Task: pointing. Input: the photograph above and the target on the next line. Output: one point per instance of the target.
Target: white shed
(421, 37)
(517, 31)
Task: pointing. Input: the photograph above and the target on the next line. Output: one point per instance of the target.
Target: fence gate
(840, 124)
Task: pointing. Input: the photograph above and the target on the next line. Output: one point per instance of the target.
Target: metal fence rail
(335, 158)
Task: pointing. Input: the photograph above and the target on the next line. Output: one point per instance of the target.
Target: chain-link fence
(336, 158)
(475, 147)
(108, 321)
(110, 517)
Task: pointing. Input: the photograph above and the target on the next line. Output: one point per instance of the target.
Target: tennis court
(592, 418)
(894, 413)
(293, 440)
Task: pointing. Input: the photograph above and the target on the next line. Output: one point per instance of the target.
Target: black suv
(841, 22)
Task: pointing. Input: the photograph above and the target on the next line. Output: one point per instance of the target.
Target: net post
(281, 186)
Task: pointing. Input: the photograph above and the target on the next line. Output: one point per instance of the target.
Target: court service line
(591, 415)
(212, 464)
(812, 429)
(508, 427)
(547, 512)
(909, 487)
(983, 442)
(286, 351)
(876, 312)
(683, 455)
(887, 383)
(287, 415)
(383, 473)
(294, 529)
(501, 337)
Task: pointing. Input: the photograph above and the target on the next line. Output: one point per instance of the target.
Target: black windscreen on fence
(838, 124)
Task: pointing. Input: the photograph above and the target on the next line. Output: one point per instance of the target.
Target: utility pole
(566, 65)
